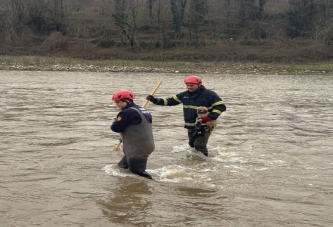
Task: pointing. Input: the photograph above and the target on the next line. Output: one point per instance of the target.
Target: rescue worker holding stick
(134, 123)
(195, 96)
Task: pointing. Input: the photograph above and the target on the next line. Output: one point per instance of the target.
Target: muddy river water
(270, 163)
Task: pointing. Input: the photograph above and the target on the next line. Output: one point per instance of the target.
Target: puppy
(202, 113)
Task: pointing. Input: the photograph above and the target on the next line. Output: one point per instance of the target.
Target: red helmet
(123, 94)
(193, 80)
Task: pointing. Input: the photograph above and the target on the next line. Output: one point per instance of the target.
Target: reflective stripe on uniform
(176, 98)
(217, 111)
(189, 124)
(192, 124)
(216, 104)
(190, 107)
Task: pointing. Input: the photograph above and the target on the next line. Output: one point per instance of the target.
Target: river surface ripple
(270, 158)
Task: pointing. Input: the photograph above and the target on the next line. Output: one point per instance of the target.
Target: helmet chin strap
(127, 101)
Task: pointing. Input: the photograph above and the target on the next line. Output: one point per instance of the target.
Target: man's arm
(172, 101)
(216, 108)
(122, 121)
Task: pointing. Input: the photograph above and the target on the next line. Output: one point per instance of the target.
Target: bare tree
(150, 7)
(7, 31)
(197, 13)
(323, 23)
(161, 21)
(178, 9)
(124, 13)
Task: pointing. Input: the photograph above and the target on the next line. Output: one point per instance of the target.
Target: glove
(120, 140)
(151, 98)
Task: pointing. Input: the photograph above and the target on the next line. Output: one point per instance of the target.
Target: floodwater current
(270, 162)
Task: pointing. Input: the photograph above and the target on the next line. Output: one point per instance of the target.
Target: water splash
(170, 173)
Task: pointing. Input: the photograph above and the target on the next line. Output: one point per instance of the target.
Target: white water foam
(181, 148)
(114, 170)
(171, 173)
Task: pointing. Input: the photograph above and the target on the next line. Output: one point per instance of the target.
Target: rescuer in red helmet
(135, 125)
(195, 97)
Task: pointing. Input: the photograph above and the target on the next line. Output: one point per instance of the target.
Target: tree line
(142, 25)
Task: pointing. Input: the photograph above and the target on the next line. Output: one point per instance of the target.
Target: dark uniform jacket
(192, 100)
(129, 116)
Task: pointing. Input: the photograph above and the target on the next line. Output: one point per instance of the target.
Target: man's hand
(211, 124)
(151, 98)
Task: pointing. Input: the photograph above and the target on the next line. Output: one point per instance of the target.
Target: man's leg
(123, 163)
(191, 137)
(138, 166)
(200, 143)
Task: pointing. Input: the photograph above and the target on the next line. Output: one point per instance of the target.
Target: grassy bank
(75, 64)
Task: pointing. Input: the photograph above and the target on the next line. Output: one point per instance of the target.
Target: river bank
(31, 63)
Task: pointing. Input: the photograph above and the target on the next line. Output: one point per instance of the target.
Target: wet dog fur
(202, 111)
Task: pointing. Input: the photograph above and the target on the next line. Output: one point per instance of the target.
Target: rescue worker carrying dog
(135, 125)
(195, 96)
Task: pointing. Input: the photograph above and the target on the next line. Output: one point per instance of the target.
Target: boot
(123, 163)
(138, 166)
(203, 150)
(146, 175)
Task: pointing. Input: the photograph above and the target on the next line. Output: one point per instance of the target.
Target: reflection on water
(128, 203)
(270, 160)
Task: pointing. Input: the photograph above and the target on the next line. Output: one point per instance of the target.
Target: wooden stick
(116, 148)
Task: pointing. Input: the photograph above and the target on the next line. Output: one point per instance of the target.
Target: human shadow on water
(128, 203)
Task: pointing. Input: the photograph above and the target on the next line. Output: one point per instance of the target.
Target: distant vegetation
(160, 30)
